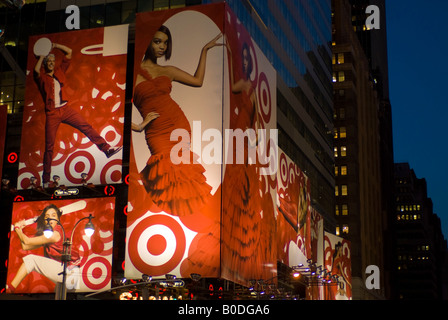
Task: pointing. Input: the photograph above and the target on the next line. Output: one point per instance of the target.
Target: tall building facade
(374, 43)
(421, 250)
(358, 167)
(295, 36)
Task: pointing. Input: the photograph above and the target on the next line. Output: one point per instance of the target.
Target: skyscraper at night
(363, 140)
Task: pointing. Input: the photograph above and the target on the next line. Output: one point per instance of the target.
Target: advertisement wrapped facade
(174, 183)
(35, 259)
(74, 108)
(193, 190)
(294, 214)
(337, 263)
(250, 168)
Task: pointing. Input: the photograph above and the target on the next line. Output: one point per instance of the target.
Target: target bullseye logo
(12, 157)
(97, 273)
(157, 244)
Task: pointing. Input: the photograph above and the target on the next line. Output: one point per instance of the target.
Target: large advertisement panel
(74, 107)
(35, 258)
(315, 290)
(250, 152)
(3, 121)
(337, 263)
(173, 222)
(294, 214)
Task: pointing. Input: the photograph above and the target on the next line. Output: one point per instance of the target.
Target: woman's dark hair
(149, 54)
(41, 220)
(249, 58)
(337, 247)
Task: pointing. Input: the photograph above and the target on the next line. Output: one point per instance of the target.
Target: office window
(345, 210)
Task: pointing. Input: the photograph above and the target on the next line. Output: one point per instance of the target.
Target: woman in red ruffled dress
(242, 203)
(176, 188)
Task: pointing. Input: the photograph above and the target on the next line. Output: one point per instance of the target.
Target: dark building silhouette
(363, 141)
(421, 250)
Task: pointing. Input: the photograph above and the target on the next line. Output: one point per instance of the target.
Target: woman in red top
(49, 265)
(178, 189)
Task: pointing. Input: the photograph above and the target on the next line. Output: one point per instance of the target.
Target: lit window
(336, 190)
(343, 151)
(345, 210)
(341, 76)
(334, 59)
(335, 78)
(336, 152)
(337, 231)
(344, 190)
(345, 229)
(335, 133)
(336, 171)
(340, 58)
(336, 210)
(343, 170)
(342, 132)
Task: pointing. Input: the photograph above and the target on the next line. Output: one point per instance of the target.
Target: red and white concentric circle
(157, 244)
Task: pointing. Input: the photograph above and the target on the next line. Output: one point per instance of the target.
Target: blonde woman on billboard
(48, 265)
(178, 189)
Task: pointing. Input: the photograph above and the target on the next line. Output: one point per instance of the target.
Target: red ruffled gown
(241, 208)
(178, 189)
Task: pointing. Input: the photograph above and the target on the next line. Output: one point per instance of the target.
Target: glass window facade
(296, 38)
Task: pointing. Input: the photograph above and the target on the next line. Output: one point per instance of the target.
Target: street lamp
(89, 229)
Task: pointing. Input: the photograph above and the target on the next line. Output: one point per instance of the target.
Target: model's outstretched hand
(213, 42)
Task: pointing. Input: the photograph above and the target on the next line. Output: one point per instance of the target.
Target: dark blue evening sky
(418, 70)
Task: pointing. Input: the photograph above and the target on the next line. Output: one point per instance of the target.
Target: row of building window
(339, 114)
(339, 76)
(341, 210)
(410, 207)
(342, 151)
(342, 229)
(409, 217)
(340, 132)
(340, 170)
(338, 58)
(341, 190)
